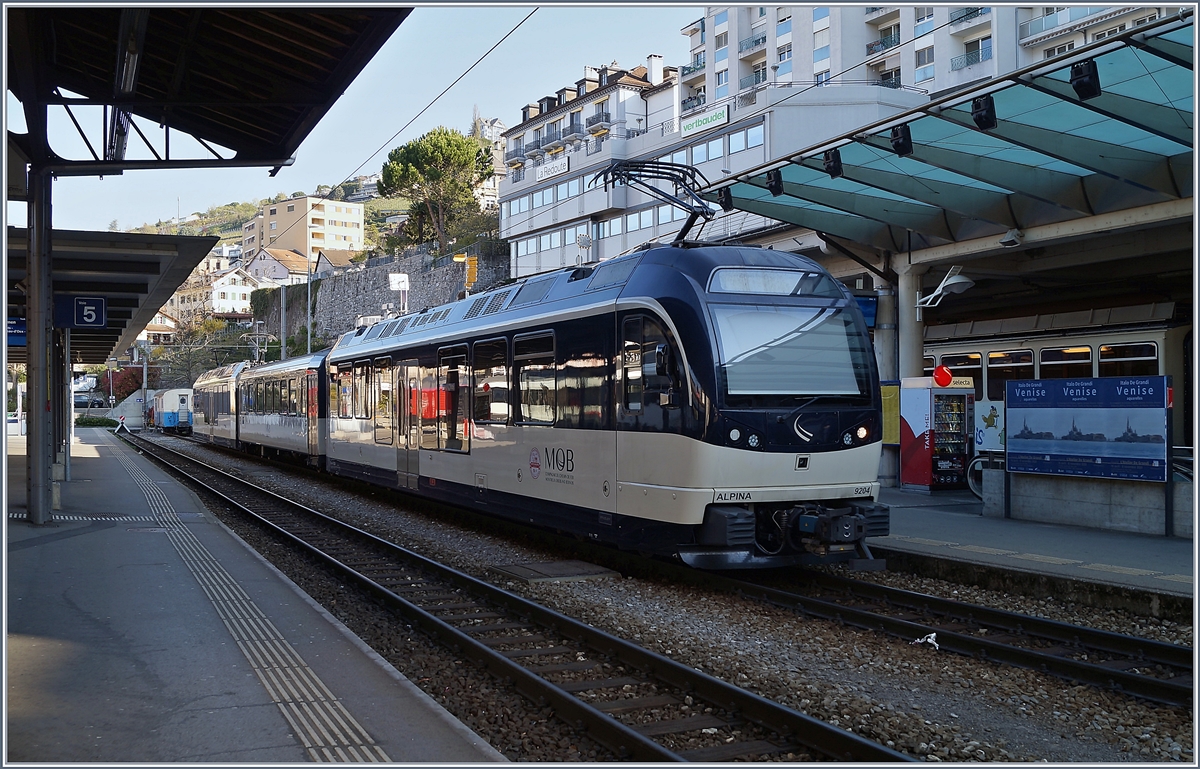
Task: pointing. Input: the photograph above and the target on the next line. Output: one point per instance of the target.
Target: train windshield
(781, 350)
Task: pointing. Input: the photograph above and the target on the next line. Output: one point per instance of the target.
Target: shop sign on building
(704, 121)
(559, 165)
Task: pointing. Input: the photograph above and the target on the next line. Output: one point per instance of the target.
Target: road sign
(80, 312)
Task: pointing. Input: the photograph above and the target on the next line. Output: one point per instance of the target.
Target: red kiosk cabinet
(936, 425)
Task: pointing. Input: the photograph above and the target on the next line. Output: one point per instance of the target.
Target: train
(1131, 341)
(715, 404)
(173, 411)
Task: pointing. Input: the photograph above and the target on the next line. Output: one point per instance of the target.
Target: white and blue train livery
(173, 411)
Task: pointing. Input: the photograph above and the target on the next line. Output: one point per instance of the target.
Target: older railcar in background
(173, 411)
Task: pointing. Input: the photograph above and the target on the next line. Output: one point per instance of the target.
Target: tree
(189, 356)
(113, 226)
(298, 194)
(438, 172)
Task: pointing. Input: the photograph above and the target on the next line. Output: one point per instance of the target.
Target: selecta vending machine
(936, 425)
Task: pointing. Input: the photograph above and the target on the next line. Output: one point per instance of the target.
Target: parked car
(83, 401)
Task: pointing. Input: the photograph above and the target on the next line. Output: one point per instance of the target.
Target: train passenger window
(345, 391)
(927, 365)
(584, 363)
(533, 369)
(967, 364)
(426, 396)
(1003, 366)
(291, 402)
(453, 393)
(491, 381)
(1140, 359)
(383, 400)
(730, 280)
(631, 360)
(362, 390)
(1065, 363)
(260, 397)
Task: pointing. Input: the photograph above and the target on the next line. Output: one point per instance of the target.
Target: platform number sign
(80, 312)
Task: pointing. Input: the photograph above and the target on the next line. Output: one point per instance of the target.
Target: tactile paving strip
(319, 720)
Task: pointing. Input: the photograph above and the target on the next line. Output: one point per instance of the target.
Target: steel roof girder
(1167, 50)
(1122, 164)
(906, 215)
(969, 203)
(1157, 119)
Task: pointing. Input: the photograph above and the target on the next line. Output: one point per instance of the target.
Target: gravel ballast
(933, 705)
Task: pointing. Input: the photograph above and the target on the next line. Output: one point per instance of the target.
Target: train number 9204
(862, 491)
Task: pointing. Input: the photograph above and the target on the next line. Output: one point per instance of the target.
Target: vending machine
(936, 425)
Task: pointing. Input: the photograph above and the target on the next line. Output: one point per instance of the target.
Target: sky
(433, 47)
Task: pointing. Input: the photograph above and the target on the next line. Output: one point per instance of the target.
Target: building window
(1058, 50)
(822, 77)
(274, 225)
(821, 45)
(762, 11)
(272, 212)
(722, 84)
(924, 23)
(1108, 32)
(820, 13)
(291, 207)
(720, 19)
(785, 52)
(1145, 20)
(924, 65)
(721, 40)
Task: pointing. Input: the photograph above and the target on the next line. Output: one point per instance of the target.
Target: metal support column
(910, 330)
(886, 357)
(69, 401)
(38, 319)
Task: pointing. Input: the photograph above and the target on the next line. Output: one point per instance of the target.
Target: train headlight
(735, 435)
(861, 432)
(753, 441)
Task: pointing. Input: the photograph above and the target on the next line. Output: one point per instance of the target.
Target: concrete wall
(1097, 503)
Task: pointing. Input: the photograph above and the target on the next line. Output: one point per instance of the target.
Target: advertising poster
(1109, 427)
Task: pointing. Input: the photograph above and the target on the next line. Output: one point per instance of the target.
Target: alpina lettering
(733, 496)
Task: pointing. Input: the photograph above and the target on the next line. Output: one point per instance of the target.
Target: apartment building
(936, 49)
(221, 294)
(305, 225)
(553, 213)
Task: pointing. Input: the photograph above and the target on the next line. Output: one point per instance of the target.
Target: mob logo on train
(535, 464)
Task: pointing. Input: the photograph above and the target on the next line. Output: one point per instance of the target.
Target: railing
(517, 154)
(891, 82)
(749, 81)
(572, 129)
(598, 118)
(551, 136)
(875, 9)
(689, 69)
(751, 43)
(595, 146)
(967, 59)
(1043, 23)
(534, 145)
(883, 43)
(516, 174)
(962, 14)
(691, 102)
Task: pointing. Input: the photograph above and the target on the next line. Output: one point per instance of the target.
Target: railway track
(1155, 671)
(640, 704)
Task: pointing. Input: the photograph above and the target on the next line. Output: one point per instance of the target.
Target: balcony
(751, 43)
(552, 140)
(595, 146)
(534, 149)
(883, 43)
(749, 81)
(967, 59)
(515, 157)
(599, 123)
(690, 69)
(692, 102)
(964, 14)
(891, 81)
(572, 132)
(1047, 23)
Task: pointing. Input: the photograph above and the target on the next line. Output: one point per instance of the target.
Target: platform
(139, 629)
(950, 524)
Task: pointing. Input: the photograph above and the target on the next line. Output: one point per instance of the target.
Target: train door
(408, 385)
(311, 426)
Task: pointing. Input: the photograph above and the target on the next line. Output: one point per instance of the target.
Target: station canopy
(249, 84)
(1044, 155)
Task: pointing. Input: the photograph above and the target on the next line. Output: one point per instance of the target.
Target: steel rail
(1144, 650)
(793, 727)
(1154, 689)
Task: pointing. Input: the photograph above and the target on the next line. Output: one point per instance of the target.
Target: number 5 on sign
(90, 312)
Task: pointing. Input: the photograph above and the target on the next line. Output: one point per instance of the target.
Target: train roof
(569, 289)
(298, 363)
(222, 373)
